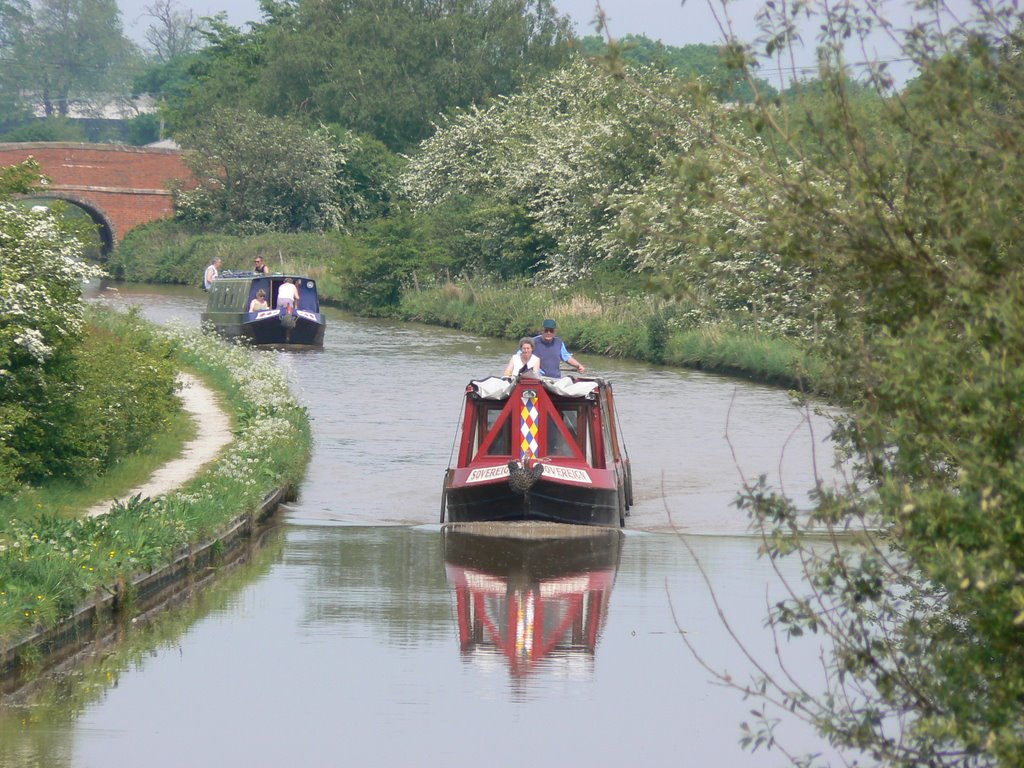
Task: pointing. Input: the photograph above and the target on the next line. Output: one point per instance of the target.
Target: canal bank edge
(191, 568)
(56, 644)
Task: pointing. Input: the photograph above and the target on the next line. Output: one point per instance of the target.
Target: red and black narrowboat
(539, 449)
(299, 326)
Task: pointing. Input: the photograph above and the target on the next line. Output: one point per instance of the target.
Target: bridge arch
(119, 186)
(104, 225)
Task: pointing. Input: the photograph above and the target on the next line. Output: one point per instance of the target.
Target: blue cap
(550, 324)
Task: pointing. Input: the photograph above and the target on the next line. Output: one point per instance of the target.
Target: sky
(674, 22)
(668, 20)
(671, 21)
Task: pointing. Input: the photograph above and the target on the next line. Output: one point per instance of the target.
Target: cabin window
(576, 418)
(609, 458)
(487, 417)
(502, 445)
(557, 445)
(230, 296)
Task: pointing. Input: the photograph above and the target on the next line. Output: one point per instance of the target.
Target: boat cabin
(560, 425)
(233, 291)
(540, 448)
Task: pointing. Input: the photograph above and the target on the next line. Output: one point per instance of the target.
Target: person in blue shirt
(552, 352)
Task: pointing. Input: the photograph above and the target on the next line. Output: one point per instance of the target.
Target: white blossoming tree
(562, 150)
(41, 277)
(617, 168)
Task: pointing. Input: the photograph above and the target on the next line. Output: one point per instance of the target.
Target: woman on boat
(260, 302)
(524, 362)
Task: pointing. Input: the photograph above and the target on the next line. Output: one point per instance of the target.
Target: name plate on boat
(481, 474)
(267, 313)
(305, 314)
(570, 474)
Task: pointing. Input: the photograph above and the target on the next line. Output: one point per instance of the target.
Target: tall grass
(640, 326)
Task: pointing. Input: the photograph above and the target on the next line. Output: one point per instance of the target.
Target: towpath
(213, 432)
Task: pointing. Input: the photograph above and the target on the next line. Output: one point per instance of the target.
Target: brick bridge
(119, 186)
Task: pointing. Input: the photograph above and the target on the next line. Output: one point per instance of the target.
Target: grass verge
(639, 327)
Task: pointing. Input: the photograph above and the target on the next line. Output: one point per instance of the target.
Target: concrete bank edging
(47, 648)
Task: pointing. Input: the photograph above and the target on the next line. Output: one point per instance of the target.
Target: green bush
(143, 129)
(50, 129)
(389, 254)
(128, 389)
(117, 392)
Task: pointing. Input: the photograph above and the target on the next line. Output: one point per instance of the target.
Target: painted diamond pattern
(528, 429)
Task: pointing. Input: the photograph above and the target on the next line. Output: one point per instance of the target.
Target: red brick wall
(127, 185)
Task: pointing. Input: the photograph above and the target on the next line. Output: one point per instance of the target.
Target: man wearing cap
(552, 352)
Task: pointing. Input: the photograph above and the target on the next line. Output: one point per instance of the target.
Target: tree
(221, 74)
(259, 174)
(15, 17)
(712, 63)
(77, 49)
(40, 326)
(564, 152)
(906, 212)
(174, 32)
(379, 67)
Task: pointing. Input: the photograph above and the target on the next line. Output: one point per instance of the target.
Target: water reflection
(535, 594)
(338, 638)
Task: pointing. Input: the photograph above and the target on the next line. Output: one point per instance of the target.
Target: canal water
(361, 633)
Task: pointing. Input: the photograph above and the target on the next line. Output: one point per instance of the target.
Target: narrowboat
(539, 449)
(227, 311)
(534, 594)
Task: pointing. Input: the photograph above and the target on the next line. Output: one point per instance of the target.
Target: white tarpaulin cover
(493, 388)
(497, 388)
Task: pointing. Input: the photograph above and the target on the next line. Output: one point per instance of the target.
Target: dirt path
(213, 432)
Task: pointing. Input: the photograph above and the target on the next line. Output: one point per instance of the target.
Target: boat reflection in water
(536, 593)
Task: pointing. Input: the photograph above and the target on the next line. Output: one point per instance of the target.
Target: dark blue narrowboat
(539, 449)
(298, 325)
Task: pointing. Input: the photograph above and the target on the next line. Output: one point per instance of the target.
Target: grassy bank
(50, 563)
(67, 499)
(637, 326)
